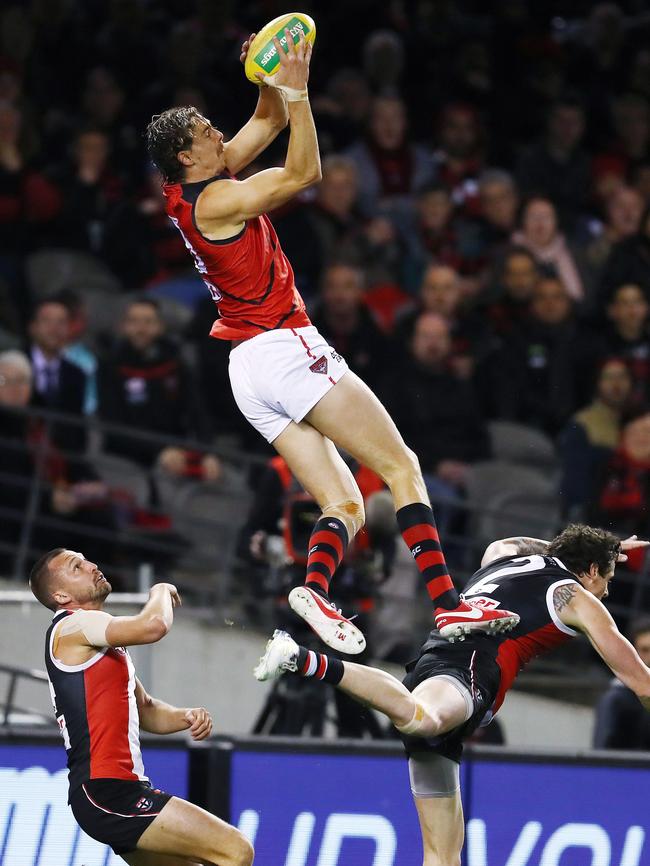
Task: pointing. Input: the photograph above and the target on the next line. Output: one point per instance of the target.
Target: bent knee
(239, 851)
(404, 464)
(352, 512)
(244, 851)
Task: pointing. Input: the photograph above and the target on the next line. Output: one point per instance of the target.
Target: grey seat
(51, 271)
(123, 474)
(526, 512)
(517, 443)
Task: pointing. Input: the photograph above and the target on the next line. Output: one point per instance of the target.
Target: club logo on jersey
(319, 366)
(144, 804)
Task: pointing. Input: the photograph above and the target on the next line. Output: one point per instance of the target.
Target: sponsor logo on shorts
(335, 355)
(319, 366)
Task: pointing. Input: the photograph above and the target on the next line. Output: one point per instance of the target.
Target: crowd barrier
(325, 803)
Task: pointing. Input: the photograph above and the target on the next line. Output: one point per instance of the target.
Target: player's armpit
(581, 610)
(231, 202)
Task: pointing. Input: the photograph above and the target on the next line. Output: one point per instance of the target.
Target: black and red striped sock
(320, 666)
(418, 528)
(327, 546)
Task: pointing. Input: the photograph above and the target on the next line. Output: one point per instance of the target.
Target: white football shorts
(278, 376)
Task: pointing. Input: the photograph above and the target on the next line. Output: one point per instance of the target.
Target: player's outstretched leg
(438, 710)
(352, 417)
(321, 470)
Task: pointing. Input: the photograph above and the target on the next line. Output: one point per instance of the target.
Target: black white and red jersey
(525, 585)
(97, 713)
(248, 275)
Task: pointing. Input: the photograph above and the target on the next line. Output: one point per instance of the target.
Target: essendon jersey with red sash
(524, 584)
(249, 277)
(97, 714)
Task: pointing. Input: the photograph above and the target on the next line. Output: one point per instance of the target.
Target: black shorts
(116, 812)
(477, 670)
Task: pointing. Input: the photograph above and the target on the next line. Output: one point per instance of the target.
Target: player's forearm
(159, 607)
(157, 717)
(303, 156)
(272, 107)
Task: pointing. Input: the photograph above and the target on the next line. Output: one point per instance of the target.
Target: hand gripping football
(262, 55)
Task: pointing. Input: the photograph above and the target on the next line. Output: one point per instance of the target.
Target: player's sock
(418, 528)
(327, 545)
(315, 664)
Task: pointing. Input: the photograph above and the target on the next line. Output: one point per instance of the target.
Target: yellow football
(262, 55)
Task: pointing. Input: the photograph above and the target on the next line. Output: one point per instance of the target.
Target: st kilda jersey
(248, 276)
(524, 585)
(97, 714)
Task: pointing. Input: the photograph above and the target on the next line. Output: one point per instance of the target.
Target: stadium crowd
(478, 249)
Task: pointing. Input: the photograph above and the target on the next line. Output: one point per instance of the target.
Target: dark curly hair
(580, 546)
(169, 133)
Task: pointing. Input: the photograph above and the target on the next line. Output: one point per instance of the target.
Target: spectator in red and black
(623, 211)
(430, 231)
(103, 106)
(441, 292)
(512, 290)
(327, 226)
(390, 166)
(90, 191)
(459, 155)
(540, 234)
(628, 262)
(545, 368)
(223, 417)
(628, 336)
(341, 112)
(631, 123)
(557, 166)
(499, 207)
(623, 501)
(437, 412)
(28, 202)
(145, 384)
(347, 324)
(59, 384)
(590, 438)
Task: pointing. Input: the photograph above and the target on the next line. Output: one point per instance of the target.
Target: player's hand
(294, 62)
(199, 723)
(171, 589)
(631, 543)
(245, 46)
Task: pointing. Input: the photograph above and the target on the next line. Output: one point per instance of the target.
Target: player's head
(589, 553)
(181, 139)
(66, 579)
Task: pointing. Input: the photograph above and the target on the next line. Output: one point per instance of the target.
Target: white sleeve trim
(551, 607)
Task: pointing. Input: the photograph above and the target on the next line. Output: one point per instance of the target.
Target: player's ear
(61, 597)
(185, 157)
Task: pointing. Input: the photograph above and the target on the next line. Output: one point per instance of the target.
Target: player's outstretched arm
(151, 624)
(230, 202)
(157, 717)
(269, 119)
(519, 545)
(580, 609)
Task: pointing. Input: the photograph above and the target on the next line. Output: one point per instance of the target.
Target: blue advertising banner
(347, 810)
(36, 824)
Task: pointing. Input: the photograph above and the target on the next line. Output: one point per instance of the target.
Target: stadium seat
(52, 271)
(122, 474)
(517, 443)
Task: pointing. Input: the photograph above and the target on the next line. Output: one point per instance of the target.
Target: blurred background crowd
(478, 250)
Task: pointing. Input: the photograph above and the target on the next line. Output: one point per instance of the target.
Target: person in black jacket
(347, 324)
(145, 384)
(437, 412)
(621, 721)
(59, 385)
(628, 262)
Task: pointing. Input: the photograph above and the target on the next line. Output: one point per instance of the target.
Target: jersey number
(487, 584)
(60, 720)
(199, 264)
